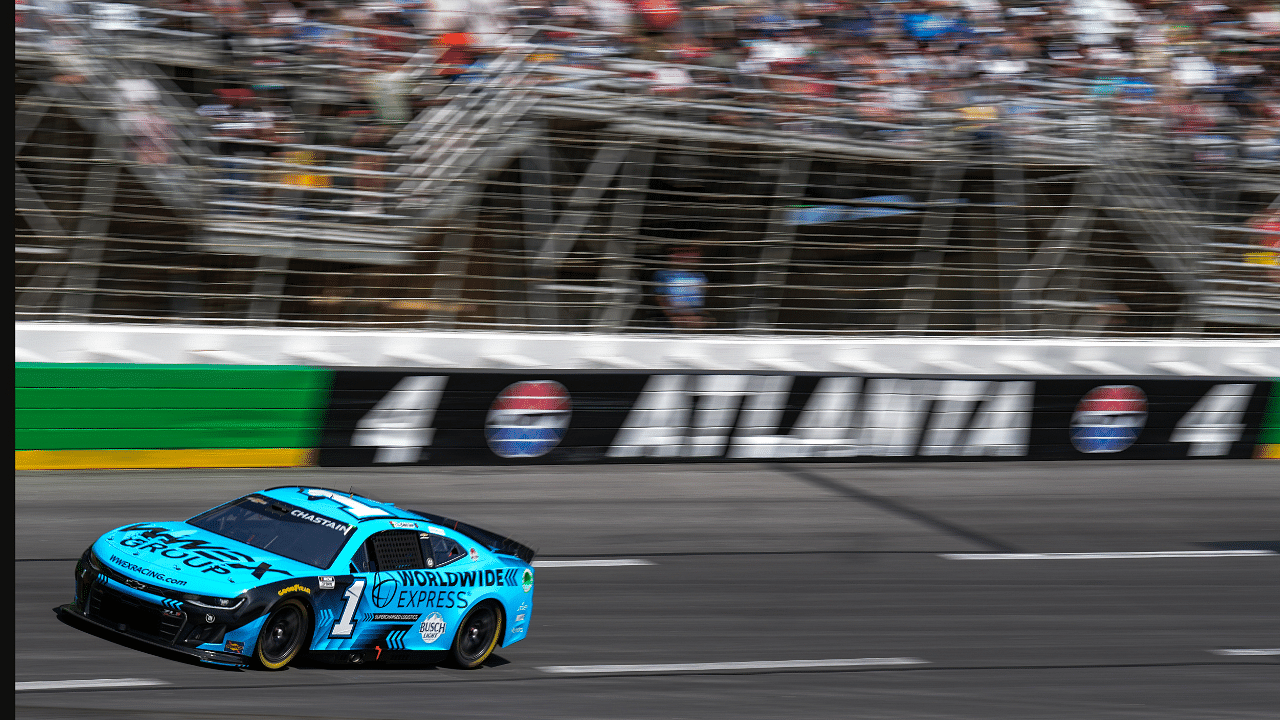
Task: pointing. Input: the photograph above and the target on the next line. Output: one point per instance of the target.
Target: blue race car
(293, 570)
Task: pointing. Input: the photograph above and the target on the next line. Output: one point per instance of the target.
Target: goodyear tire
(477, 636)
(283, 635)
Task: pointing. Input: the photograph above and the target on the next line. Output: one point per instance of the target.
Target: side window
(440, 550)
(394, 550)
(360, 562)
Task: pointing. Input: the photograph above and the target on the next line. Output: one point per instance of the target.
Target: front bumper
(209, 656)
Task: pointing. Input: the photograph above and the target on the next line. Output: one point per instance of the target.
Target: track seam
(896, 508)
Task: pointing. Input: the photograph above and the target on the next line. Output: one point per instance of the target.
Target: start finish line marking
(85, 684)
(1109, 555)
(588, 563)
(706, 667)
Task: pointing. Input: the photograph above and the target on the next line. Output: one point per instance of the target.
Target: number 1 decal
(347, 624)
(355, 507)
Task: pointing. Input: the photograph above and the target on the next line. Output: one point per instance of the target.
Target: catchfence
(368, 177)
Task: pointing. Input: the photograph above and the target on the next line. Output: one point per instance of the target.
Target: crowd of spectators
(342, 73)
(1196, 64)
(1200, 74)
(1190, 69)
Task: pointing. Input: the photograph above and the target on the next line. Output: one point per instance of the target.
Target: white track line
(704, 667)
(1109, 555)
(83, 684)
(1247, 652)
(588, 563)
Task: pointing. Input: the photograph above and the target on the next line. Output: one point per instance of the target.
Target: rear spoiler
(493, 541)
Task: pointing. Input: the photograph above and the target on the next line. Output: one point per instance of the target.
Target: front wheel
(283, 635)
(477, 636)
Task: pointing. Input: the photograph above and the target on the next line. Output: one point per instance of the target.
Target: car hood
(178, 556)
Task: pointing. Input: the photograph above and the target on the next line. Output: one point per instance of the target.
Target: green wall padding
(107, 406)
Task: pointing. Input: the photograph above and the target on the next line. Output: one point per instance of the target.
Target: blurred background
(963, 167)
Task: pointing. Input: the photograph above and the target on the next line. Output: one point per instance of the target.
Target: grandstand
(346, 168)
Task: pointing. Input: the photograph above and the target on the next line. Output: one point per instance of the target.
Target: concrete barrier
(151, 416)
(417, 348)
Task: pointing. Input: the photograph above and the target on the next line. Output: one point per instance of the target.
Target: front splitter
(212, 657)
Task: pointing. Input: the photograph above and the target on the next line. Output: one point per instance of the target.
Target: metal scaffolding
(527, 192)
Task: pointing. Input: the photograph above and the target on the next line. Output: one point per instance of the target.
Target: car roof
(338, 504)
(348, 506)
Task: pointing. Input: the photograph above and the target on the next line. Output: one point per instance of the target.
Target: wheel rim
(281, 635)
(476, 637)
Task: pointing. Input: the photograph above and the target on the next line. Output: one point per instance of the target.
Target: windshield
(278, 527)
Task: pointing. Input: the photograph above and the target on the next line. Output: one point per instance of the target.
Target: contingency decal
(522, 613)
(393, 617)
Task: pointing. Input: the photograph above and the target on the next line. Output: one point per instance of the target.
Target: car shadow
(440, 663)
(303, 661)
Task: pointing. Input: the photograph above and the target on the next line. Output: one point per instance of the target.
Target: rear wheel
(283, 635)
(477, 636)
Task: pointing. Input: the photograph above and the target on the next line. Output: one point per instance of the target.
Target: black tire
(283, 635)
(477, 636)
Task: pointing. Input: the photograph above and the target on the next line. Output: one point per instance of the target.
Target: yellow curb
(1268, 452)
(158, 459)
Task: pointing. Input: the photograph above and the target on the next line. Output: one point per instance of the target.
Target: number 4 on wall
(1215, 422)
(400, 424)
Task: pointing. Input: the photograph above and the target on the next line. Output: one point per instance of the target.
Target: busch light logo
(431, 628)
(1108, 419)
(528, 419)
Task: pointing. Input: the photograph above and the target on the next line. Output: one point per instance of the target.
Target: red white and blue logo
(1109, 419)
(528, 419)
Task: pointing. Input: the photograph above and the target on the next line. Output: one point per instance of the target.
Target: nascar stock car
(291, 570)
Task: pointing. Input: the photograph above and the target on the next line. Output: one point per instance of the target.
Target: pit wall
(100, 415)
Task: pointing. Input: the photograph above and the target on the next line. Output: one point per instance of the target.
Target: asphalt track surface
(765, 564)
